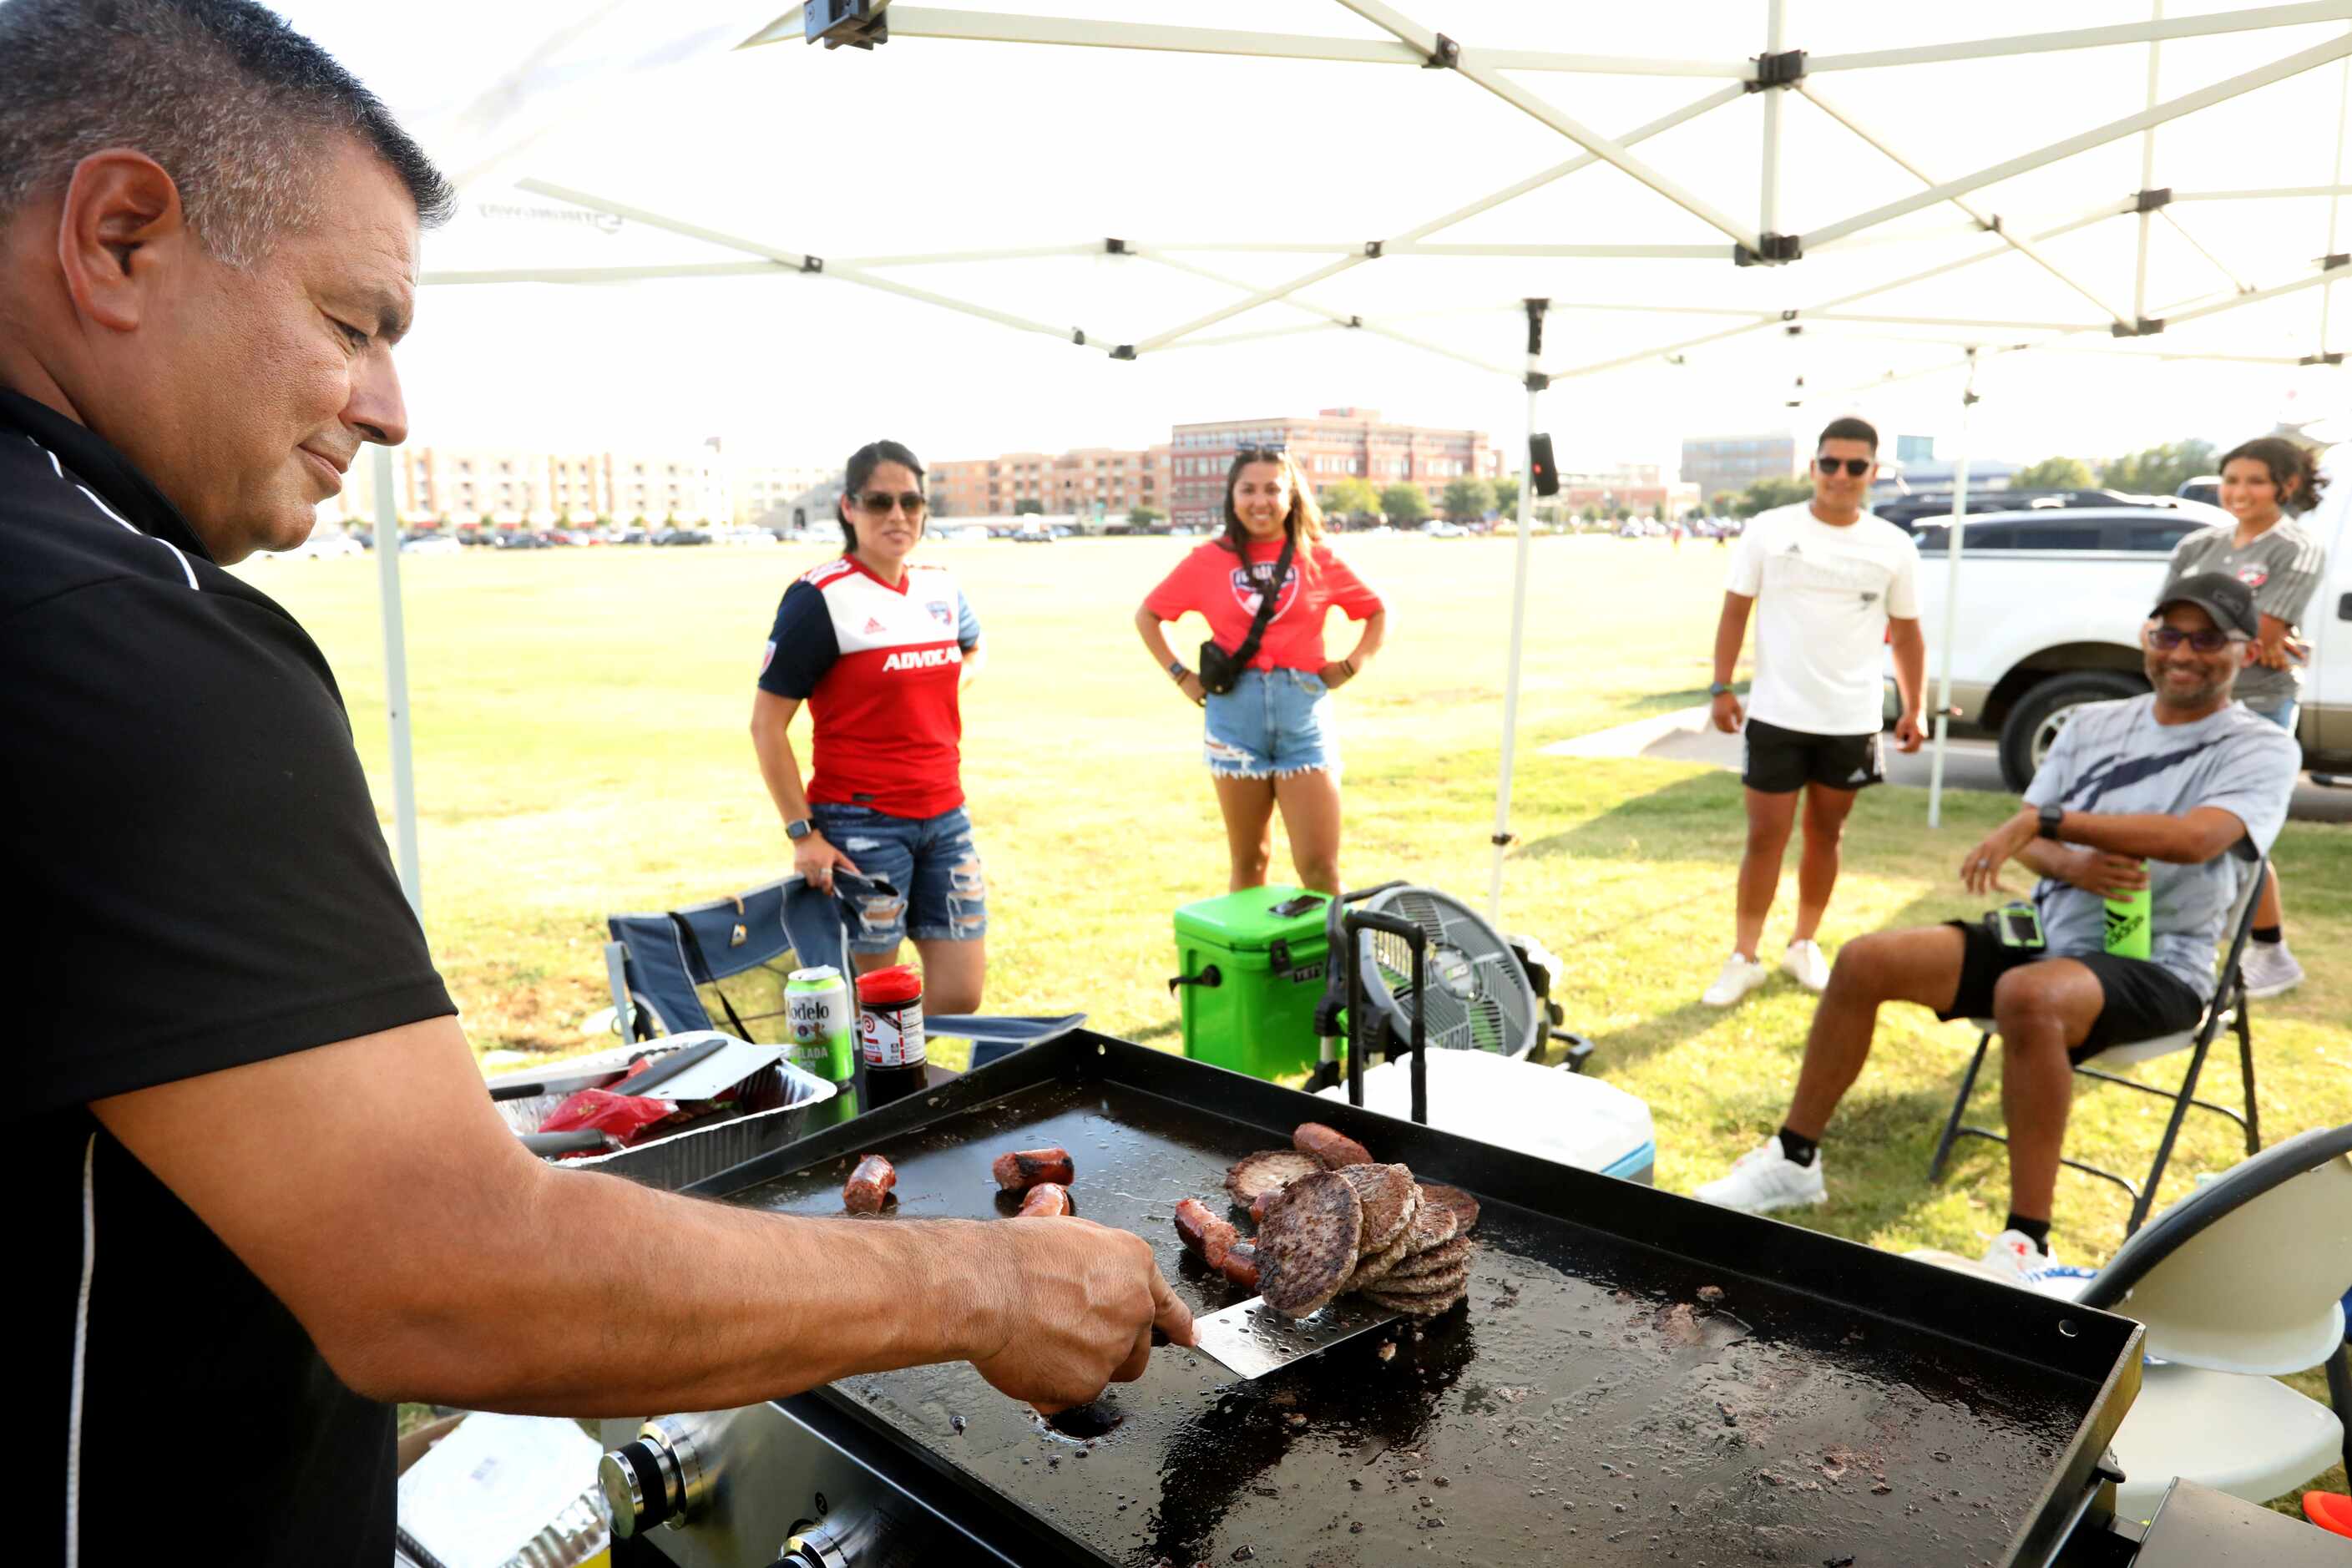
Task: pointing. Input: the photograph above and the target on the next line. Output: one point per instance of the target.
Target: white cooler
(1549, 1112)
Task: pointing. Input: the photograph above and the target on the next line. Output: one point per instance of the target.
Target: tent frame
(1776, 70)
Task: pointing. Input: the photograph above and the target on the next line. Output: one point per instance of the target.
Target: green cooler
(1250, 972)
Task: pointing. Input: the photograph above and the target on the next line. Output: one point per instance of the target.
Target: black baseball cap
(2230, 602)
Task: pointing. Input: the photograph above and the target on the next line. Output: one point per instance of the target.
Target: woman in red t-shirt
(1271, 740)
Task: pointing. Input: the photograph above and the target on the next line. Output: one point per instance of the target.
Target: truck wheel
(2034, 724)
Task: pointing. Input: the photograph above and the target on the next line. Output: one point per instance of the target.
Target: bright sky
(930, 145)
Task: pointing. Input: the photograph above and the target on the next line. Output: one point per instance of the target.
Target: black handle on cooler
(1417, 941)
(1208, 977)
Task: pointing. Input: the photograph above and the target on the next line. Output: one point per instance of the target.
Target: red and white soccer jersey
(880, 668)
(1213, 581)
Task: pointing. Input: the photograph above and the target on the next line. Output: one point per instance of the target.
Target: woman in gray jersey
(2265, 483)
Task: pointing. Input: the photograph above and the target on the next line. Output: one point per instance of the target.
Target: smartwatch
(796, 831)
(2052, 815)
(1176, 670)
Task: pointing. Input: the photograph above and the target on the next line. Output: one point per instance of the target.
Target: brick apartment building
(1726, 464)
(1335, 444)
(1070, 484)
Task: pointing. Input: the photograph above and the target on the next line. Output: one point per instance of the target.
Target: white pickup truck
(2051, 604)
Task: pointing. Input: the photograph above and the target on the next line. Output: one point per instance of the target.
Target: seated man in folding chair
(2177, 779)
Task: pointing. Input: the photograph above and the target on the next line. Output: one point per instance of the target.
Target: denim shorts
(931, 860)
(2281, 714)
(1273, 723)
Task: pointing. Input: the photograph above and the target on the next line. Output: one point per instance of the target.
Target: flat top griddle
(1588, 1406)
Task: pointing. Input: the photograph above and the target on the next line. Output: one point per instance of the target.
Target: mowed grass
(581, 747)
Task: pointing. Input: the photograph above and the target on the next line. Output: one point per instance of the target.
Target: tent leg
(395, 680)
(1952, 606)
(1502, 833)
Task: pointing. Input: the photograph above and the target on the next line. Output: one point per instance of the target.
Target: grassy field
(581, 747)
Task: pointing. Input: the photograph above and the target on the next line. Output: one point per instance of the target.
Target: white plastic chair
(2239, 1282)
(2227, 1012)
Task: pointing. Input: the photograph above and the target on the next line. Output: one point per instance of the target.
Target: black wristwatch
(796, 831)
(2052, 815)
(1176, 670)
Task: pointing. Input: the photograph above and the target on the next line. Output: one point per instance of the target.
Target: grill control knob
(661, 1478)
(818, 1546)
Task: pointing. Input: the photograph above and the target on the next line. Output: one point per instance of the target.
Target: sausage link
(1047, 1198)
(1241, 1265)
(868, 1187)
(1020, 1171)
(1329, 1144)
(1192, 1222)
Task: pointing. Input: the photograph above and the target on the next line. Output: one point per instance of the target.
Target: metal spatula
(1251, 1339)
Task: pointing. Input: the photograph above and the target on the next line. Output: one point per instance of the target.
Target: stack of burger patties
(1332, 1220)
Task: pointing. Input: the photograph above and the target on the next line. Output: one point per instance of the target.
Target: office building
(1087, 482)
(1332, 445)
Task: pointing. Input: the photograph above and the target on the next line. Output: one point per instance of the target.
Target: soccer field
(581, 747)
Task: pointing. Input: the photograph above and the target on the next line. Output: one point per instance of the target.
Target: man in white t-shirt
(1830, 584)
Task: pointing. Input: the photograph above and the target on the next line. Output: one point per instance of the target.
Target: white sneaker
(1803, 963)
(1765, 1179)
(2014, 1259)
(1740, 976)
(2270, 970)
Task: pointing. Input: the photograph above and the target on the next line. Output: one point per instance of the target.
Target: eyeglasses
(877, 503)
(1856, 467)
(1260, 453)
(2210, 639)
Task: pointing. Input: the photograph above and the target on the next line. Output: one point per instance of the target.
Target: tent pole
(1502, 836)
(1767, 204)
(395, 679)
(1951, 604)
(2148, 171)
(2336, 201)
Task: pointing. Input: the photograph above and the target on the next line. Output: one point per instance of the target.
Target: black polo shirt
(197, 881)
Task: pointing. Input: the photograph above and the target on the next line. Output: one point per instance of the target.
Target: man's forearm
(2044, 859)
(603, 1298)
(1730, 631)
(2147, 835)
(1911, 665)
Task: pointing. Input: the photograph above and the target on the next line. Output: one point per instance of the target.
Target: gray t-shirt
(2114, 758)
(2283, 564)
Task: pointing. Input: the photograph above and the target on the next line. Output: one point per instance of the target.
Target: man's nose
(376, 409)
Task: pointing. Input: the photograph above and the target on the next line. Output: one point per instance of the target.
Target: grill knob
(661, 1478)
(818, 1546)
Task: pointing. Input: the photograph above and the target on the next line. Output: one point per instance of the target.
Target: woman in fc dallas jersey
(1271, 740)
(880, 648)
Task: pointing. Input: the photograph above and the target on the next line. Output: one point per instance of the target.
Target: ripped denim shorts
(1273, 723)
(930, 859)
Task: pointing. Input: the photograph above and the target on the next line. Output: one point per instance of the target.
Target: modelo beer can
(821, 1024)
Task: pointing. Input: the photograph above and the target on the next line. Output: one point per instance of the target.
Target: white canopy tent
(1817, 255)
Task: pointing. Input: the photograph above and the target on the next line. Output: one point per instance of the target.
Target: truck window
(2054, 536)
(2152, 538)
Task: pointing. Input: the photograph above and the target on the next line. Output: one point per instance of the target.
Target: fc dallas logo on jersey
(1247, 582)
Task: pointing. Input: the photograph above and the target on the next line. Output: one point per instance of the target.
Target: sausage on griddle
(1241, 1265)
(1204, 1233)
(868, 1187)
(1047, 1198)
(1329, 1144)
(1019, 1171)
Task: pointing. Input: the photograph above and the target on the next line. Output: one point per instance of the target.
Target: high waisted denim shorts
(1273, 723)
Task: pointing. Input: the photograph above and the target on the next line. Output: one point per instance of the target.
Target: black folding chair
(2227, 1010)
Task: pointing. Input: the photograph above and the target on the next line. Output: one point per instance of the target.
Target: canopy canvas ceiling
(1817, 202)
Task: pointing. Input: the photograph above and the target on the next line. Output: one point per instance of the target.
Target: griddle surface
(1586, 1408)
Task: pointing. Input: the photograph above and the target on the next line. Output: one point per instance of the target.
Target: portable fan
(1480, 999)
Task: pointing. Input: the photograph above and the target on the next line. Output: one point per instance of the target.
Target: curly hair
(2295, 469)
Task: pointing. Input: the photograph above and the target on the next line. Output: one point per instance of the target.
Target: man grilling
(258, 1183)
(2179, 778)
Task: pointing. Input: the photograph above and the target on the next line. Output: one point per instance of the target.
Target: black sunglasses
(1260, 453)
(1857, 467)
(2210, 639)
(877, 503)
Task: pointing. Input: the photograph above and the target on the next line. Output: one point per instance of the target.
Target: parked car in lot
(2052, 601)
(681, 536)
(430, 544)
(518, 539)
(322, 547)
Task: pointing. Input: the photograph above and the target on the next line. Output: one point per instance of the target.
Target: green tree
(1404, 503)
(1349, 498)
(1507, 495)
(1145, 516)
(1468, 499)
(1590, 513)
(1769, 492)
(1029, 507)
(2158, 470)
(2052, 474)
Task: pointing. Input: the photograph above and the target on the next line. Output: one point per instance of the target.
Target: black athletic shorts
(2143, 1000)
(1778, 761)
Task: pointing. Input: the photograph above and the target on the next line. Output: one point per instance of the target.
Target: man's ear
(119, 225)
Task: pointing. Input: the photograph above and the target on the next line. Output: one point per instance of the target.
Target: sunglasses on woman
(2210, 639)
(1260, 453)
(1856, 467)
(877, 503)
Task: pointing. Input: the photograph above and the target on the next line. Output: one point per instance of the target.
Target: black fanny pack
(1220, 671)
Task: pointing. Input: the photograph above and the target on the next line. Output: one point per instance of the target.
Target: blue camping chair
(657, 965)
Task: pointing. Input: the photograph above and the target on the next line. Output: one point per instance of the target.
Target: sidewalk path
(1686, 735)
